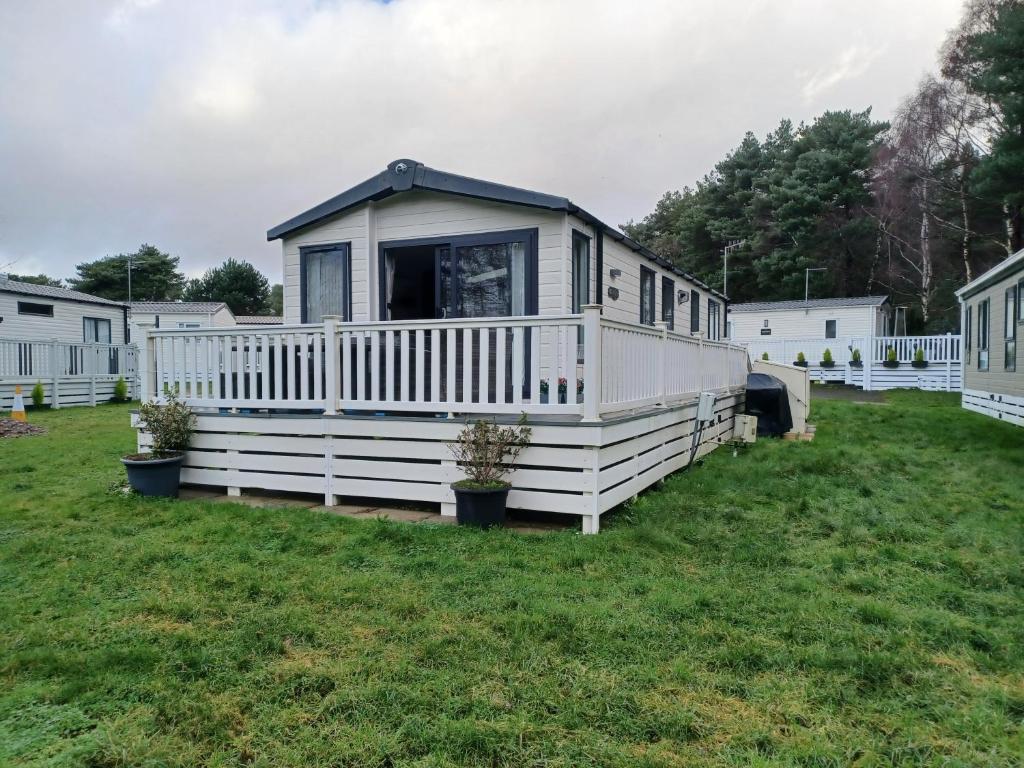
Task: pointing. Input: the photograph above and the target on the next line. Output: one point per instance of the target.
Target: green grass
(855, 600)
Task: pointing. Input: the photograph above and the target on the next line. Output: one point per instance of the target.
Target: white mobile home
(181, 314)
(418, 299)
(70, 342)
(992, 315)
(813, 319)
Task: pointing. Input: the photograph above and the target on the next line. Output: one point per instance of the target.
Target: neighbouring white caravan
(813, 319)
(992, 317)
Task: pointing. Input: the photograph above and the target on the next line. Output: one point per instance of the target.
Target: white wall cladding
(66, 323)
(570, 467)
(999, 406)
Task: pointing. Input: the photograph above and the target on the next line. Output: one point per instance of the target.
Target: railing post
(331, 364)
(142, 364)
(592, 363)
(55, 375)
(869, 358)
(661, 368)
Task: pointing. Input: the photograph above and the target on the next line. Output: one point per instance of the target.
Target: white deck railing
(47, 360)
(499, 365)
(937, 349)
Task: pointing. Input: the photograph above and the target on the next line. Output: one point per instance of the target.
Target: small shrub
(764, 355)
(801, 357)
(121, 391)
(827, 356)
(487, 452)
(38, 396)
(890, 354)
(856, 355)
(919, 355)
(170, 424)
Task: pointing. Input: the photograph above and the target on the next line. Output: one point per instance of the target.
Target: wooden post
(331, 364)
(447, 507)
(660, 366)
(592, 362)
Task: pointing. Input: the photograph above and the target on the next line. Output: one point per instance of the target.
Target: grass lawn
(855, 600)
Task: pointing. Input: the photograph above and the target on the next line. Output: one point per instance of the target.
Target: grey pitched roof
(850, 301)
(259, 320)
(49, 292)
(172, 307)
(404, 175)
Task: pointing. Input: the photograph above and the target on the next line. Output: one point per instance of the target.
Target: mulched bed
(12, 428)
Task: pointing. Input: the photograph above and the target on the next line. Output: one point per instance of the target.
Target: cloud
(196, 126)
(852, 63)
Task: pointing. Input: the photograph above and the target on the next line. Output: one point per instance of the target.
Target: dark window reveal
(983, 335)
(39, 310)
(694, 312)
(830, 329)
(668, 303)
(1010, 326)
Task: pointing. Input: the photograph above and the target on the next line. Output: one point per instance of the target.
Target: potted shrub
(827, 360)
(764, 355)
(890, 358)
(579, 390)
(544, 388)
(487, 453)
(158, 472)
(855, 361)
(563, 389)
(801, 360)
(919, 361)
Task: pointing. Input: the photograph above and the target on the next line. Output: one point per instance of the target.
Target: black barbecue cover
(768, 399)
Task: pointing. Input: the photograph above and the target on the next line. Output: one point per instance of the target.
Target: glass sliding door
(491, 280)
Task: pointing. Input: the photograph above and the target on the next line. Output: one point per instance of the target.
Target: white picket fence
(71, 373)
(942, 358)
(534, 364)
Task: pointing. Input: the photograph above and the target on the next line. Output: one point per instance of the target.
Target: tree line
(913, 208)
(156, 277)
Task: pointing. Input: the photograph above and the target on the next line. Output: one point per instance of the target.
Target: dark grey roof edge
(405, 174)
(841, 301)
(58, 294)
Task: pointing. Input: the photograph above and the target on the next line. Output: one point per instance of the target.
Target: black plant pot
(919, 363)
(891, 363)
(799, 364)
(856, 363)
(480, 507)
(827, 364)
(155, 477)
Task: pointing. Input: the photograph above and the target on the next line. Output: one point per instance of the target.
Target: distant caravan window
(668, 302)
(694, 312)
(830, 329)
(1010, 325)
(646, 296)
(95, 330)
(983, 335)
(714, 320)
(39, 310)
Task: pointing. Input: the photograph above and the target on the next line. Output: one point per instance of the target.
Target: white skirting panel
(569, 467)
(1004, 407)
(77, 391)
(936, 377)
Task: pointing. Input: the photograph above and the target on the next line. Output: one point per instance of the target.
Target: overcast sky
(196, 126)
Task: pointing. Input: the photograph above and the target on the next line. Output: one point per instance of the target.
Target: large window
(967, 332)
(668, 302)
(646, 296)
(96, 330)
(694, 312)
(580, 276)
(1010, 328)
(830, 329)
(326, 282)
(31, 308)
(714, 320)
(983, 335)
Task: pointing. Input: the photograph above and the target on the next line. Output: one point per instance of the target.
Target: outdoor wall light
(615, 273)
(613, 293)
(682, 297)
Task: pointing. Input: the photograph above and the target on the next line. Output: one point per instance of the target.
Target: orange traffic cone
(18, 409)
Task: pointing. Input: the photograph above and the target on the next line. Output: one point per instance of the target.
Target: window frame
(96, 321)
(23, 309)
(649, 293)
(694, 311)
(714, 320)
(968, 330)
(668, 308)
(835, 329)
(984, 320)
(304, 252)
(1010, 310)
